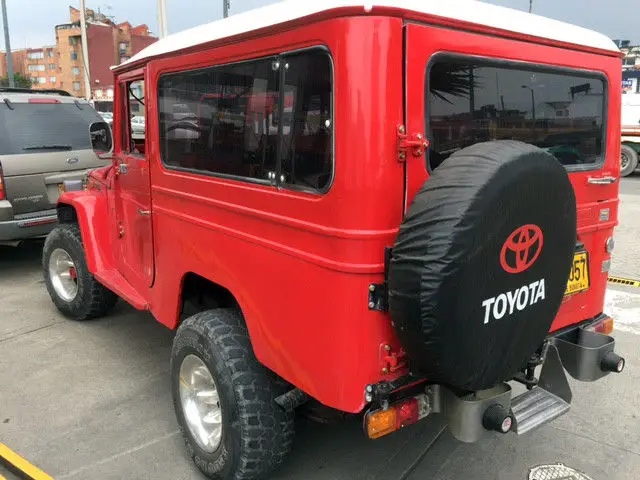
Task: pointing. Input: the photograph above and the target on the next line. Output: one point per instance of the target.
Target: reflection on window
(471, 103)
(234, 120)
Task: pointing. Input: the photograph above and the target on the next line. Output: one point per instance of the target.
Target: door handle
(145, 213)
(602, 180)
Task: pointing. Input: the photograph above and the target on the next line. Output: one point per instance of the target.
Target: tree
(20, 81)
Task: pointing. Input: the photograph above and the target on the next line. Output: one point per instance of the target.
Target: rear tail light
(2, 192)
(396, 416)
(603, 326)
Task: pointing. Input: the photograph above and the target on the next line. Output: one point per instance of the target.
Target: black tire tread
(97, 299)
(267, 431)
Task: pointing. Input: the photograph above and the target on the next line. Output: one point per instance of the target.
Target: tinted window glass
(30, 127)
(235, 120)
(471, 103)
(307, 121)
(231, 128)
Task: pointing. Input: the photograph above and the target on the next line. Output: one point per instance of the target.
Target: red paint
(299, 265)
(522, 249)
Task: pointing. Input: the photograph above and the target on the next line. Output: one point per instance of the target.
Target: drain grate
(556, 472)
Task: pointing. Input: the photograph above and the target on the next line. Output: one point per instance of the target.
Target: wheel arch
(90, 212)
(199, 293)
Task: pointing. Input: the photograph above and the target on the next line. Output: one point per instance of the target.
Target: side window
(221, 120)
(134, 137)
(240, 120)
(307, 144)
(562, 112)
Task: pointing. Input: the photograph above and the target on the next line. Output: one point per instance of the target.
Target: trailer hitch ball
(612, 362)
(497, 418)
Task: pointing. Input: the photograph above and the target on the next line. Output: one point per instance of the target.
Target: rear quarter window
(25, 126)
(473, 101)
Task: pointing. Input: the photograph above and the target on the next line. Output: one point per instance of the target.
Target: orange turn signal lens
(604, 326)
(381, 423)
(397, 415)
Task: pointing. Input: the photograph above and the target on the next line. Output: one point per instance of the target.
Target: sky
(31, 22)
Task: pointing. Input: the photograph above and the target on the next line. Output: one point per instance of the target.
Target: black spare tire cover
(481, 262)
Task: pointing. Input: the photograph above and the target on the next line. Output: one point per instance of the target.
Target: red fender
(92, 211)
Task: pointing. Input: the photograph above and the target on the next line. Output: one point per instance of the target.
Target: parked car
(107, 117)
(416, 232)
(138, 127)
(44, 142)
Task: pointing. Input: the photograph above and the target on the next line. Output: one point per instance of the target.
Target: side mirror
(101, 139)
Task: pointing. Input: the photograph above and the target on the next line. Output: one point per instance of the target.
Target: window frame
(259, 181)
(126, 134)
(523, 66)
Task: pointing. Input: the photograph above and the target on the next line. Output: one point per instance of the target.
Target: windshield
(36, 127)
(470, 102)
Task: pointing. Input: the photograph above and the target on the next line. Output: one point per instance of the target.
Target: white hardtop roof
(470, 11)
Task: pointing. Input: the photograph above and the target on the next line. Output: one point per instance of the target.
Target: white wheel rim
(624, 160)
(63, 274)
(200, 403)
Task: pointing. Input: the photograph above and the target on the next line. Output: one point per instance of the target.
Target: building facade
(63, 65)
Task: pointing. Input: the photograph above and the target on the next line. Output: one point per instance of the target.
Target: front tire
(72, 288)
(225, 399)
(628, 160)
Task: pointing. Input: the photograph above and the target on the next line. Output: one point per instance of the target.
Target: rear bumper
(579, 350)
(31, 225)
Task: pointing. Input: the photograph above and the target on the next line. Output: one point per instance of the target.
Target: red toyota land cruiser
(395, 207)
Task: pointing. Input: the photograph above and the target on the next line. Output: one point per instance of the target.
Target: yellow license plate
(61, 188)
(579, 276)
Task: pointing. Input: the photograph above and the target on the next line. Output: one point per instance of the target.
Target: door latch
(416, 144)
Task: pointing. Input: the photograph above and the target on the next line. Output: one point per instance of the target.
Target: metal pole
(85, 50)
(226, 4)
(7, 44)
(530, 6)
(162, 18)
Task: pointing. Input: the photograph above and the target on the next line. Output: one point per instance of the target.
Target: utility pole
(85, 50)
(530, 6)
(226, 5)
(7, 44)
(162, 18)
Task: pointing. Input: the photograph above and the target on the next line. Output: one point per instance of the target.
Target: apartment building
(63, 65)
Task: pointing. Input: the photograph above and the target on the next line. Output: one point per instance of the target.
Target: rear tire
(628, 160)
(256, 434)
(89, 299)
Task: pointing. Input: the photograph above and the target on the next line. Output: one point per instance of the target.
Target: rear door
(464, 88)
(44, 141)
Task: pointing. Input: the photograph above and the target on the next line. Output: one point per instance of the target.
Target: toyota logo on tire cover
(522, 249)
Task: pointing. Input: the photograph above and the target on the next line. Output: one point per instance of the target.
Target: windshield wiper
(48, 147)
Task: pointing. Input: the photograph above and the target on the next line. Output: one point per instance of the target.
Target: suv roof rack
(49, 91)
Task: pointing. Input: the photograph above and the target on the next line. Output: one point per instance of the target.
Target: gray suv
(44, 142)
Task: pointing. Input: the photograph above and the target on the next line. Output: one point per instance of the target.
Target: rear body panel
(33, 181)
(597, 204)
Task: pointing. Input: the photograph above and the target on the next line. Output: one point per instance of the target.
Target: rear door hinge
(391, 361)
(414, 145)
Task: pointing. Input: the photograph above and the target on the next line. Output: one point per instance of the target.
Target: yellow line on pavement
(625, 281)
(16, 461)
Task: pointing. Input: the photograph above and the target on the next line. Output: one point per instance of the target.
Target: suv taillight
(2, 194)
